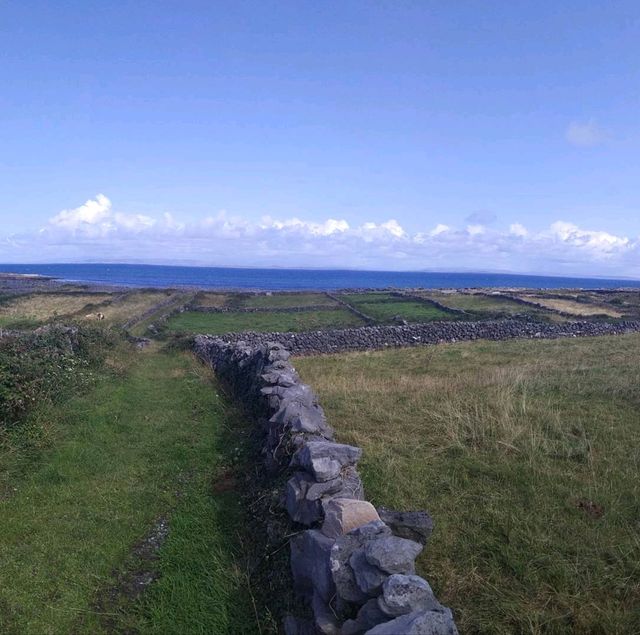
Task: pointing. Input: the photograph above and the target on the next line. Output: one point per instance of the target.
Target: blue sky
(381, 134)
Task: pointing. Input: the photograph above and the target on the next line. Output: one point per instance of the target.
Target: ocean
(133, 275)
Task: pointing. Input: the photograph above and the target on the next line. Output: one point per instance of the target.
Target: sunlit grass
(218, 323)
(146, 442)
(527, 455)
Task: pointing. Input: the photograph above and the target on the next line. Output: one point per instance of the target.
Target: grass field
(383, 307)
(87, 481)
(177, 299)
(409, 311)
(374, 296)
(132, 304)
(281, 300)
(43, 306)
(527, 455)
(480, 303)
(574, 308)
(117, 308)
(218, 323)
(206, 298)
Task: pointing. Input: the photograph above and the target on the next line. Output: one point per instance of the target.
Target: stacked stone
(353, 564)
(378, 337)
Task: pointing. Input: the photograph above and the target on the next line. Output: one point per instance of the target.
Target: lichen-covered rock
(406, 593)
(393, 554)
(418, 623)
(415, 525)
(324, 459)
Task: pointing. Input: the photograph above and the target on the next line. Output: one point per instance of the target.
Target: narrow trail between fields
(117, 526)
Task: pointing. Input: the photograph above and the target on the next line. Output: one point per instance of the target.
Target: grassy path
(147, 445)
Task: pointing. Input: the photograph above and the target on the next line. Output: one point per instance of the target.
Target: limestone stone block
(341, 515)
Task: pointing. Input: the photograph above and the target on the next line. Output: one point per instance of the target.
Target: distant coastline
(234, 278)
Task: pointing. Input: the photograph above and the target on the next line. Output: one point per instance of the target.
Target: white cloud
(585, 134)
(598, 242)
(98, 232)
(327, 228)
(516, 229)
(91, 213)
(475, 230)
(96, 218)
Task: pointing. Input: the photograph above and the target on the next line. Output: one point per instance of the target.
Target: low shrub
(43, 364)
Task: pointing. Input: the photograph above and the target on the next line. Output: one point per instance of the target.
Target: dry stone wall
(377, 337)
(353, 565)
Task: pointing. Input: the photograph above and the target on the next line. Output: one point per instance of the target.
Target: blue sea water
(135, 275)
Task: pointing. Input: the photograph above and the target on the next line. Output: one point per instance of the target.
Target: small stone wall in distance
(353, 565)
(365, 338)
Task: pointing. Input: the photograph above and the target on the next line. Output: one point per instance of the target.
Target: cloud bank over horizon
(96, 231)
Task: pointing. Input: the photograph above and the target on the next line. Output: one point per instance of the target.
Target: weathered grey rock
(416, 525)
(300, 508)
(406, 593)
(325, 489)
(368, 616)
(324, 459)
(418, 623)
(341, 515)
(281, 377)
(299, 417)
(277, 352)
(393, 554)
(346, 587)
(310, 551)
(368, 578)
(304, 496)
